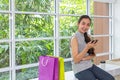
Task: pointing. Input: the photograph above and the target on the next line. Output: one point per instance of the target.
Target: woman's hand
(90, 45)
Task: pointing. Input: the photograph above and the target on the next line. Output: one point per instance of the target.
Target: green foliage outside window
(28, 51)
(4, 55)
(35, 5)
(4, 26)
(33, 26)
(4, 4)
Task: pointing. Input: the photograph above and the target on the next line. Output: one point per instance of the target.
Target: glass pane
(28, 51)
(72, 7)
(100, 58)
(101, 8)
(64, 48)
(4, 55)
(27, 73)
(68, 66)
(68, 25)
(4, 26)
(35, 5)
(4, 76)
(4, 4)
(102, 45)
(31, 26)
(100, 26)
(91, 7)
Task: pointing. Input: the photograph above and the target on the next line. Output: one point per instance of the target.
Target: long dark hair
(87, 38)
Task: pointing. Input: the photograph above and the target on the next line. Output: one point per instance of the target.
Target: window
(102, 30)
(45, 27)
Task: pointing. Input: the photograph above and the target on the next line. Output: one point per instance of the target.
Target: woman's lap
(100, 74)
(94, 73)
(85, 75)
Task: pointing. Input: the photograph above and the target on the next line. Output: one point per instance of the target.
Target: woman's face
(84, 25)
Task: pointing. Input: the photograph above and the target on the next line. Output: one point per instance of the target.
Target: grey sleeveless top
(82, 65)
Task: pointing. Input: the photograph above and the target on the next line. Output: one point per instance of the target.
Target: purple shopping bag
(48, 68)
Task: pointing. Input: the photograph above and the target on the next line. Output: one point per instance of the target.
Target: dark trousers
(94, 73)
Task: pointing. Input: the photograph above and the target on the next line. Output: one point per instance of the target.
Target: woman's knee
(111, 78)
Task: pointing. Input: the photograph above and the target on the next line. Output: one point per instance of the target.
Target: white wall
(116, 26)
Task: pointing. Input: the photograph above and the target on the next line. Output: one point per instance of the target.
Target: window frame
(12, 67)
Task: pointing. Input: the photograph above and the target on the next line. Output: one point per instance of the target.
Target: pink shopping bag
(48, 68)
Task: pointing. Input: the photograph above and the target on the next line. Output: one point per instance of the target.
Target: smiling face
(84, 25)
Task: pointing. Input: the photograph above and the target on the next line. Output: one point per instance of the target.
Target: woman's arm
(89, 57)
(77, 57)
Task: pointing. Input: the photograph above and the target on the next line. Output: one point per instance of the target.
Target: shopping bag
(61, 69)
(48, 68)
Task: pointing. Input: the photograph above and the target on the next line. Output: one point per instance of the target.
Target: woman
(83, 52)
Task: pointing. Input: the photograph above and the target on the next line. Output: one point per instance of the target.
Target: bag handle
(42, 62)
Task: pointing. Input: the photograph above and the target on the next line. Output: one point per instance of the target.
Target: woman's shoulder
(74, 34)
(73, 38)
